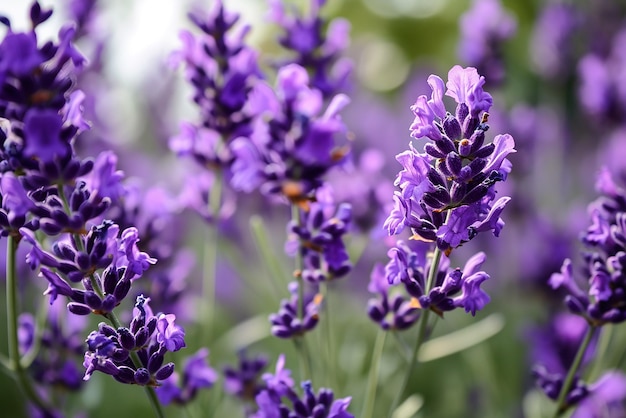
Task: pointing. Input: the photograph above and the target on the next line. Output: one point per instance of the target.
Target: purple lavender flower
(390, 311)
(222, 69)
(197, 375)
(288, 156)
(317, 51)
(109, 350)
(318, 239)
(604, 264)
(461, 181)
(280, 399)
(243, 381)
(287, 323)
(551, 42)
(484, 28)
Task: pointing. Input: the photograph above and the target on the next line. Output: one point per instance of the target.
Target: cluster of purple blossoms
(197, 374)
(292, 145)
(604, 262)
(447, 194)
(222, 70)
(318, 52)
(484, 28)
(149, 337)
(318, 239)
(289, 321)
(61, 344)
(243, 381)
(280, 400)
(553, 350)
(395, 311)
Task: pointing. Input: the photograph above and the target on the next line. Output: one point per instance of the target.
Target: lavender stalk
(372, 381)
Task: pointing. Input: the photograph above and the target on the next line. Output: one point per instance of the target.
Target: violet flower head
(484, 28)
(222, 69)
(390, 311)
(319, 239)
(287, 156)
(458, 171)
(316, 44)
(280, 399)
(108, 349)
(197, 375)
(551, 42)
(244, 380)
(287, 322)
(598, 296)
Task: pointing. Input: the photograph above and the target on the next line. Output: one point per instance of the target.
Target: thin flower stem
(372, 385)
(329, 350)
(15, 365)
(561, 406)
(263, 244)
(421, 336)
(303, 358)
(210, 256)
(295, 216)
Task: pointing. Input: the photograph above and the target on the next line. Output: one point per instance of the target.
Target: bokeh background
(562, 137)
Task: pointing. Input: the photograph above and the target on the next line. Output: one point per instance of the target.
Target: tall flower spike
(458, 171)
(222, 69)
(315, 47)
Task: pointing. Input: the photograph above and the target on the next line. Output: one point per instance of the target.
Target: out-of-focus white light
(420, 9)
(381, 66)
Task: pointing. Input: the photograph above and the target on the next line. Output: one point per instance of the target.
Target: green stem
(561, 406)
(19, 372)
(329, 347)
(303, 358)
(210, 256)
(263, 244)
(295, 216)
(370, 397)
(421, 336)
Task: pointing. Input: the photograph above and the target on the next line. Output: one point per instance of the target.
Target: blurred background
(538, 59)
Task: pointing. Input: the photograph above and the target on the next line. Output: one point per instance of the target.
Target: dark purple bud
(125, 375)
(575, 305)
(485, 151)
(451, 127)
(109, 303)
(152, 324)
(436, 178)
(93, 300)
(82, 260)
(445, 145)
(458, 191)
(375, 310)
(461, 112)
(470, 126)
(121, 290)
(155, 362)
(49, 227)
(454, 163)
(433, 151)
(477, 140)
(164, 372)
(127, 339)
(78, 308)
(475, 194)
(142, 336)
(142, 376)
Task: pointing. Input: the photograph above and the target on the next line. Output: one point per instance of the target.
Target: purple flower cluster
(288, 155)
(461, 181)
(395, 311)
(447, 194)
(318, 52)
(243, 381)
(484, 28)
(280, 400)
(604, 263)
(197, 374)
(149, 337)
(222, 70)
(288, 322)
(318, 240)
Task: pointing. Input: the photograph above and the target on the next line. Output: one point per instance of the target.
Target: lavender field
(313, 209)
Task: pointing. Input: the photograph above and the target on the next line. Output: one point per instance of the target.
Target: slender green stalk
(561, 406)
(421, 336)
(303, 358)
(263, 244)
(295, 216)
(15, 365)
(372, 385)
(604, 341)
(329, 347)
